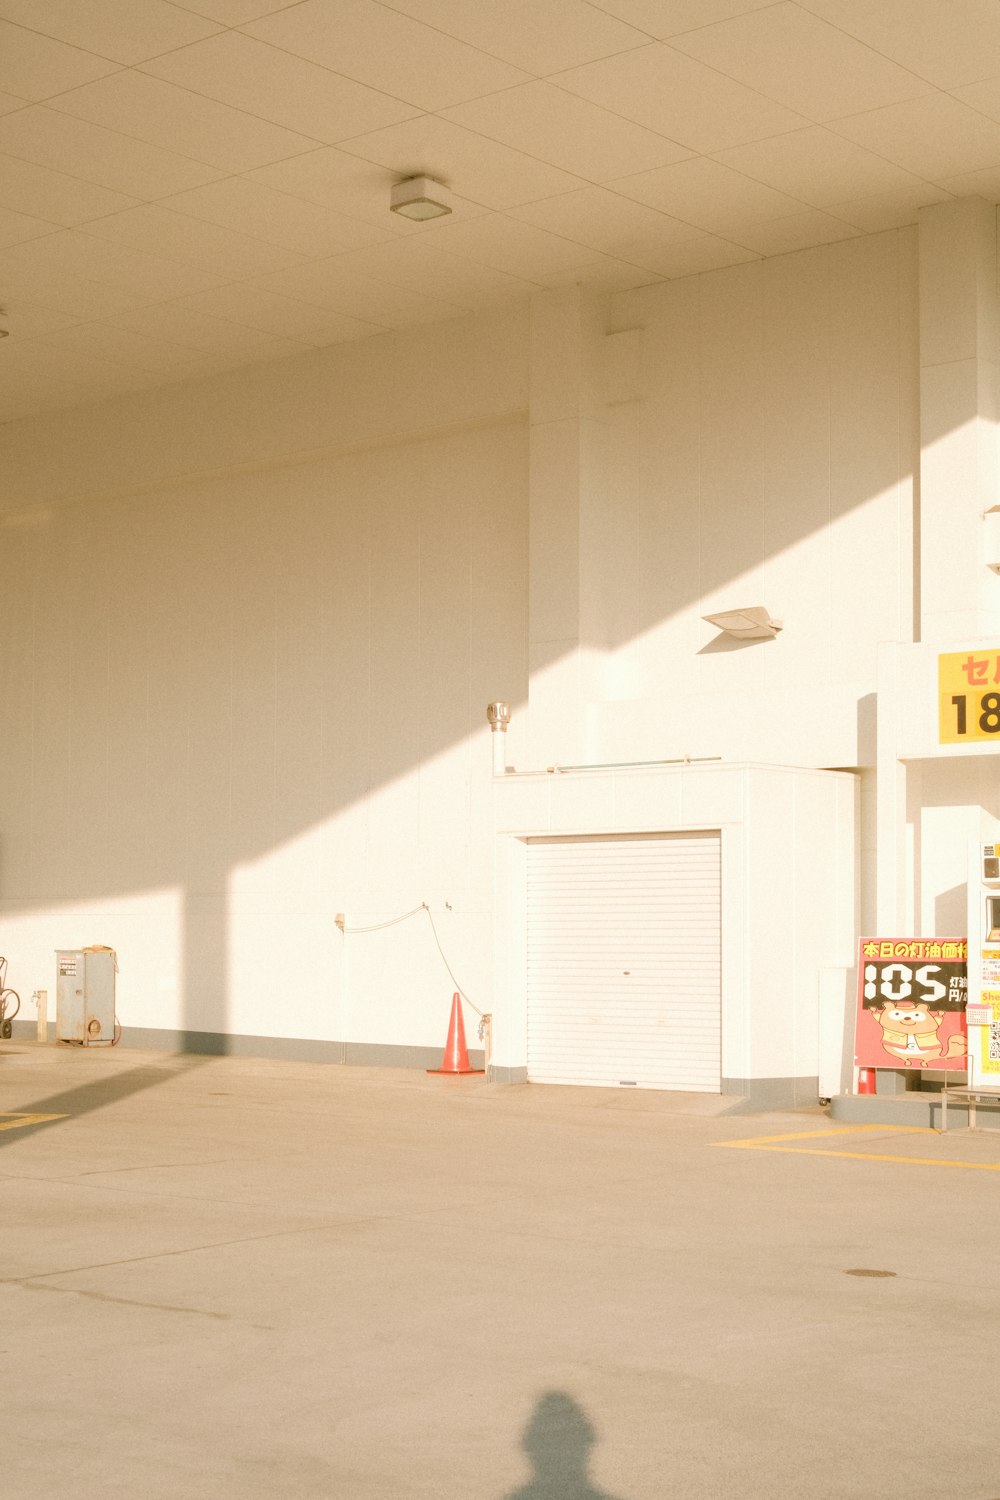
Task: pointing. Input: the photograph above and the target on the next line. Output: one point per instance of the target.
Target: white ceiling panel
(33, 320)
(171, 118)
(57, 288)
(126, 380)
(508, 245)
(120, 346)
(820, 167)
(185, 323)
(386, 50)
(607, 222)
(796, 232)
(708, 195)
(681, 98)
(23, 396)
(422, 266)
(253, 208)
(602, 274)
(204, 184)
(709, 253)
(831, 73)
(39, 66)
(105, 157)
(249, 75)
(126, 31)
(662, 18)
(984, 184)
(984, 96)
(15, 227)
(887, 210)
(66, 368)
(326, 283)
(566, 131)
(231, 12)
(484, 171)
(948, 42)
(934, 137)
(53, 196)
(73, 253)
(160, 231)
(224, 364)
(540, 36)
(266, 312)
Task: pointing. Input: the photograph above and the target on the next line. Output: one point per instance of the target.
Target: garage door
(624, 961)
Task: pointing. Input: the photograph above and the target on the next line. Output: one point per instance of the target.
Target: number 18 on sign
(968, 697)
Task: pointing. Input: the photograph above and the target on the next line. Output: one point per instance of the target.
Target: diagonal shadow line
(97, 1094)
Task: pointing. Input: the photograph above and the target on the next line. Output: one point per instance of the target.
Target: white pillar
(959, 412)
(566, 485)
(894, 909)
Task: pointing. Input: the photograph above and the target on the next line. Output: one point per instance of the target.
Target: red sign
(911, 1003)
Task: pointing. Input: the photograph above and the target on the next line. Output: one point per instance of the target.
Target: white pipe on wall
(498, 717)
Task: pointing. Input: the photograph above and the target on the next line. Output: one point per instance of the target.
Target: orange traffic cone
(456, 1056)
(866, 1080)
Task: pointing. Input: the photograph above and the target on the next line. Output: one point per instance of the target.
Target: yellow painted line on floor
(759, 1141)
(915, 1161)
(776, 1143)
(16, 1122)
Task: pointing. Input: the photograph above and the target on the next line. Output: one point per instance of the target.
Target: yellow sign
(968, 697)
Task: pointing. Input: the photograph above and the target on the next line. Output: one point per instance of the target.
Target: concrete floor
(228, 1278)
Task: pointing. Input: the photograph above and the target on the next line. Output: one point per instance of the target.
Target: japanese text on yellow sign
(950, 948)
(968, 697)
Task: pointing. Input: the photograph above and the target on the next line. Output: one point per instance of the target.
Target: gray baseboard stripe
(508, 1075)
(918, 1107)
(286, 1048)
(759, 1093)
(773, 1093)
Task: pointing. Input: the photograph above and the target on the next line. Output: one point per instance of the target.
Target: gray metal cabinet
(85, 995)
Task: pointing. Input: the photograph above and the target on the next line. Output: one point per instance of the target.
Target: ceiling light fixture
(419, 198)
(753, 624)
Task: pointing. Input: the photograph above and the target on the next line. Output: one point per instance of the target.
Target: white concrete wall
(768, 459)
(240, 702)
(789, 891)
(249, 626)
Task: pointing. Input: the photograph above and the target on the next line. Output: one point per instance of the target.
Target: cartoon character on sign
(910, 1033)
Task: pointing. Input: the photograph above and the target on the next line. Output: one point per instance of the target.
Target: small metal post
(41, 998)
(486, 1031)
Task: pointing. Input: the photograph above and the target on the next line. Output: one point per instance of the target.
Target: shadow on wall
(259, 694)
(558, 1440)
(944, 797)
(264, 690)
(951, 912)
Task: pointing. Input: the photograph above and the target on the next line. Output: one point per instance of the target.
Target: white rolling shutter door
(624, 982)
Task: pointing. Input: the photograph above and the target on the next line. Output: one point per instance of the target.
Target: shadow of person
(558, 1440)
